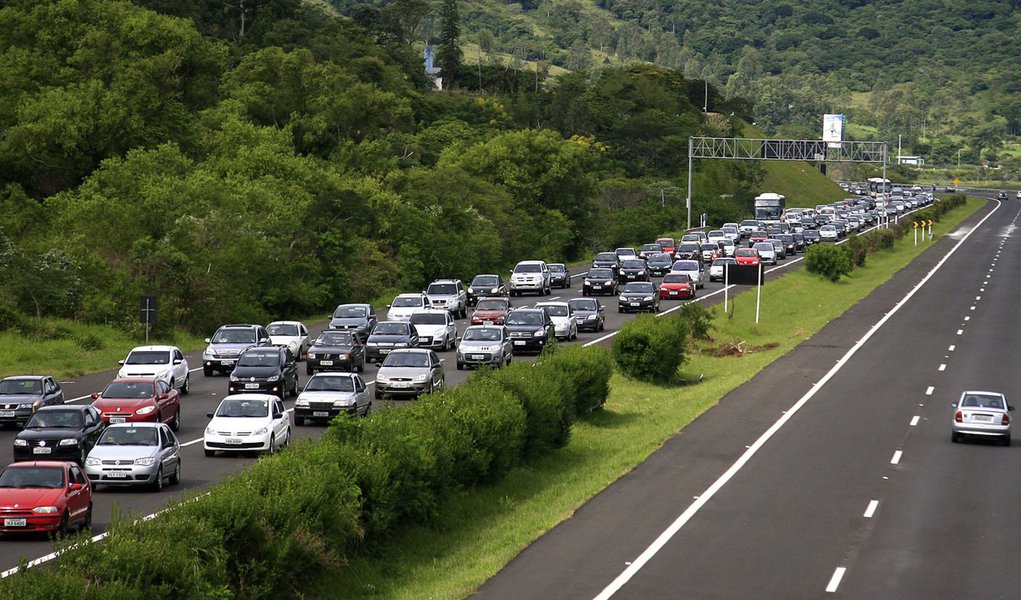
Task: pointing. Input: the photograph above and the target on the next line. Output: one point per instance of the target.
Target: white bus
(769, 208)
(878, 185)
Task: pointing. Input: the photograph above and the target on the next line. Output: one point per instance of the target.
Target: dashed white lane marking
(896, 457)
(960, 332)
(952, 347)
(871, 510)
(972, 308)
(966, 319)
(942, 367)
(929, 390)
(914, 420)
(835, 580)
(978, 297)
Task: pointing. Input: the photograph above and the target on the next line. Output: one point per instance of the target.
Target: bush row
(651, 349)
(262, 532)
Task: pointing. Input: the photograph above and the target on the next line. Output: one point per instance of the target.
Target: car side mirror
(953, 405)
(120, 362)
(178, 361)
(207, 340)
(164, 396)
(94, 395)
(1009, 407)
(74, 487)
(277, 415)
(209, 415)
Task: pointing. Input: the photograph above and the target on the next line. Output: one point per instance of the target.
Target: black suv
(530, 329)
(336, 351)
(269, 370)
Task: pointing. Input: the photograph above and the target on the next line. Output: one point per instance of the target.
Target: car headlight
(147, 461)
(622, 298)
(45, 510)
(21, 443)
(590, 318)
(68, 442)
(273, 378)
(210, 431)
(422, 377)
(145, 410)
(471, 290)
(343, 403)
(312, 355)
(400, 344)
(208, 351)
(382, 379)
(301, 402)
(647, 299)
(233, 377)
(26, 405)
(92, 462)
(539, 333)
(261, 431)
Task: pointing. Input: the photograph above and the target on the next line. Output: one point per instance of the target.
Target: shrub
(651, 349)
(587, 371)
(830, 261)
(698, 319)
(857, 247)
(89, 342)
(546, 399)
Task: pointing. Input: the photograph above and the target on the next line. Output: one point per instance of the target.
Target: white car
(404, 305)
(436, 329)
(828, 233)
(728, 247)
(565, 324)
(162, 362)
(715, 236)
(292, 335)
(693, 268)
(248, 423)
(531, 276)
(329, 394)
(716, 269)
(731, 231)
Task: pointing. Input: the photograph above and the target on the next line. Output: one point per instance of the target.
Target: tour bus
(769, 208)
(878, 185)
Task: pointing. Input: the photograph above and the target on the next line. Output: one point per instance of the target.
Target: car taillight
(959, 417)
(1005, 420)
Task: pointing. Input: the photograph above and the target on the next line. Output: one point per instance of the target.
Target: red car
(491, 311)
(132, 399)
(668, 245)
(747, 256)
(46, 496)
(757, 236)
(677, 285)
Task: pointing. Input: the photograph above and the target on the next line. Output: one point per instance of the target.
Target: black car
(22, 395)
(335, 351)
(808, 223)
(270, 370)
(608, 260)
(531, 329)
(648, 250)
(356, 318)
(799, 241)
(790, 246)
(589, 312)
(559, 276)
(487, 285)
(659, 264)
(600, 281)
(688, 251)
(62, 432)
(638, 296)
(633, 269)
(812, 236)
(387, 336)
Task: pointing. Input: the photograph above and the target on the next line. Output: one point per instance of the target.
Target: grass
(802, 184)
(479, 531)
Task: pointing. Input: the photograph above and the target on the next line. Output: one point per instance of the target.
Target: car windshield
(442, 289)
(524, 318)
(428, 318)
(129, 436)
(600, 274)
(557, 268)
(745, 252)
(259, 358)
(677, 278)
(486, 281)
(652, 248)
(608, 256)
(585, 304)
(556, 310)
(665, 242)
(768, 246)
(134, 390)
(406, 359)
(283, 329)
(234, 336)
(719, 262)
(148, 357)
(660, 258)
(390, 328)
(750, 223)
(333, 339)
(688, 248)
(983, 401)
(528, 268)
(712, 247)
(68, 419)
(686, 265)
(350, 312)
(406, 301)
(330, 383)
(633, 263)
(32, 477)
(486, 334)
(625, 251)
(491, 305)
(639, 287)
(21, 386)
(243, 408)
(828, 228)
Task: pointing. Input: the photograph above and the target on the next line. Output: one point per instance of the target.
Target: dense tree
(449, 55)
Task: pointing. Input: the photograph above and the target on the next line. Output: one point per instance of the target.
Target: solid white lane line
(871, 510)
(835, 580)
(896, 457)
(943, 367)
(717, 485)
(929, 390)
(914, 420)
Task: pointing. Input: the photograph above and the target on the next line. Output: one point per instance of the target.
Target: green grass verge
(479, 531)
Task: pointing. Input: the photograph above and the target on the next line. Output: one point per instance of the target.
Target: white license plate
(983, 418)
(673, 293)
(234, 441)
(400, 384)
(636, 304)
(251, 386)
(15, 522)
(384, 351)
(326, 363)
(6, 413)
(476, 356)
(227, 363)
(519, 342)
(320, 413)
(45, 450)
(597, 287)
(117, 475)
(118, 419)
(487, 322)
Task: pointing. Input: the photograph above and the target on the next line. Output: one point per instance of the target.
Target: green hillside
(802, 184)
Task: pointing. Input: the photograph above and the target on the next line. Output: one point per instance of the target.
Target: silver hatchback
(981, 414)
(135, 454)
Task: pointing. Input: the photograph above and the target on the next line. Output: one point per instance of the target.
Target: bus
(769, 207)
(878, 185)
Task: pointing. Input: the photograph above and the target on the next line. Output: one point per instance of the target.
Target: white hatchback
(248, 423)
(162, 362)
(404, 305)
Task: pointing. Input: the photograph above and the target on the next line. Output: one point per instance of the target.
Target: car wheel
(62, 530)
(361, 367)
(175, 425)
(186, 388)
(620, 310)
(82, 456)
(378, 395)
(460, 366)
(209, 453)
(602, 325)
(299, 421)
(175, 477)
(955, 437)
(207, 372)
(1006, 440)
(287, 437)
(157, 484)
(584, 292)
(87, 521)
(272, 445)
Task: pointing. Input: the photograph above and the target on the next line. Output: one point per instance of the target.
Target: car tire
(207, 372)
(63, 528)
(209, 453)
(620, 310)
(1006, 440)
(361, 367)
(368, 409)
(299, 421)
(287, 438)
(82, 456)
(157, 484)
(954, 437)
(87, 521)
(186, 388)
(378, 395)
(460, 366)
(175, 425)
(175, 477)
(272, 445)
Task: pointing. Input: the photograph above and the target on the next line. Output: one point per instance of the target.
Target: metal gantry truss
(789, 150)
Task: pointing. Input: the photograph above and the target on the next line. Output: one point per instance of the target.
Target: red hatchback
(135, 399)
(747, 256)
(44, 496)
(491, 311)
(677, 285)
(668, 245)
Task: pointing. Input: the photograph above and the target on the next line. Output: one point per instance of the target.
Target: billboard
(833, 128)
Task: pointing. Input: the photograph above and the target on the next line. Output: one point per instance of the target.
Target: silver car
(767, 252)
(135, 454)
(409, 372)
(327, 395)
(981, 414)
(692, 267)
(485, 345)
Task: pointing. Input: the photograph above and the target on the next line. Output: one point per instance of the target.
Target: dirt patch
(737, 349)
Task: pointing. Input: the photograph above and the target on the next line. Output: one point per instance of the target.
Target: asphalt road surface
(832, 473)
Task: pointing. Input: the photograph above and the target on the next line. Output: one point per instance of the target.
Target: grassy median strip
(479, 531)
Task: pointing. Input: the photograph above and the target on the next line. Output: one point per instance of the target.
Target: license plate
(118, 419)
(519, 342)
(597, 287)
(326, 363)
(234, 441)
(227, 363)
(487, 322)
(6, 413)
(251, 386)
(384, 351)
(673, 293)
(636, 304)
(984, 418)
(476, 356)
(45, 450)
(117, 475)
(15, 522)
(320, 413)
(400, 384)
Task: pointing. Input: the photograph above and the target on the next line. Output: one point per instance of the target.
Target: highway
(831, 473)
